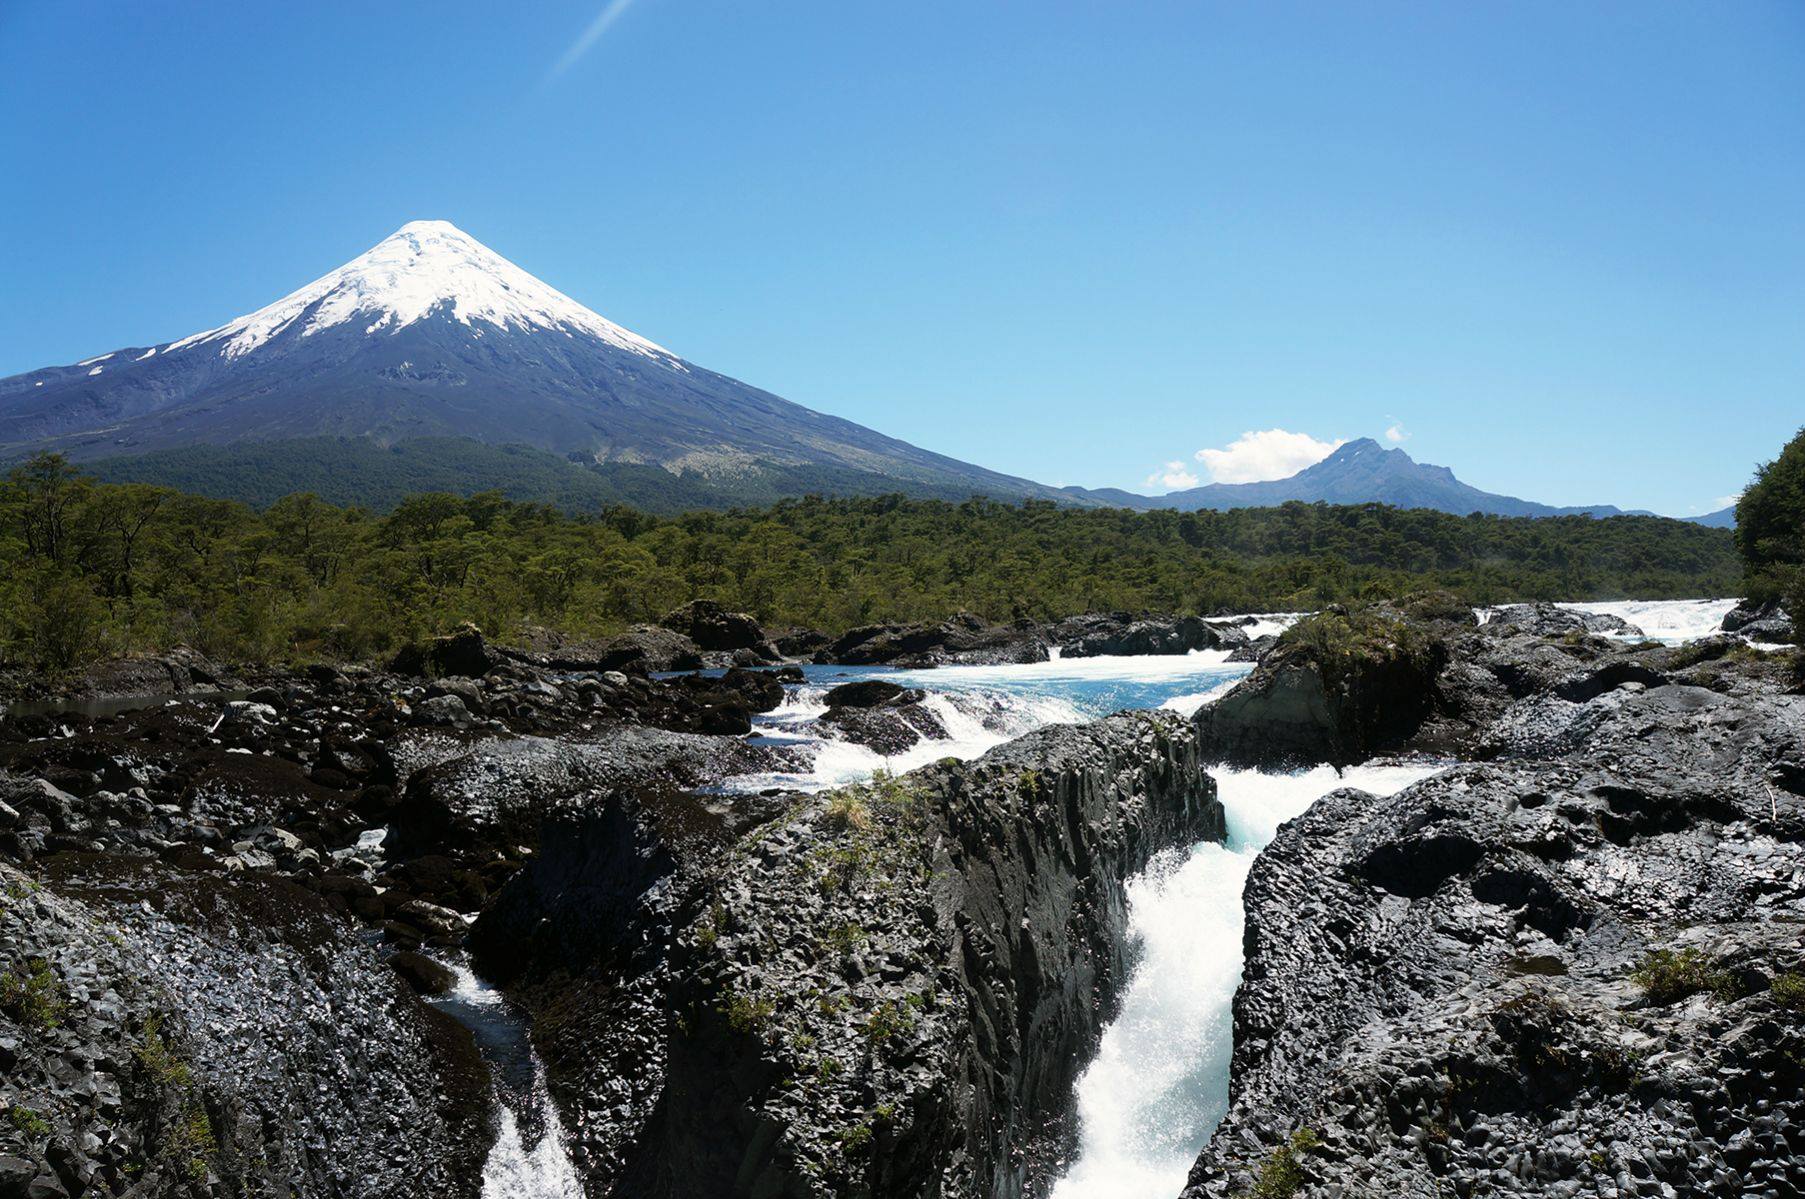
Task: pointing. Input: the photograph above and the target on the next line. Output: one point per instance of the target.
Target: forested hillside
(92, 568)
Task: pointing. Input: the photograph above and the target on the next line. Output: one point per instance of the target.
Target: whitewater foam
(1158, 1086)
(975, 721)
(541, 1170)
(1673, 621)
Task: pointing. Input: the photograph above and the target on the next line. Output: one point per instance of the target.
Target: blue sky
(1558, 247)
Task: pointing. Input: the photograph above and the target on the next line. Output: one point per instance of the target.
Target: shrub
(34, 997)
(848, 812)
(158, 1060)
(1668, 976)
(1788, 990)
(748, 1014)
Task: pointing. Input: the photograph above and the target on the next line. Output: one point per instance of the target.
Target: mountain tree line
(92, 568)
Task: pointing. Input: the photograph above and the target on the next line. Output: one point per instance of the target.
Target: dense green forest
(91, 568)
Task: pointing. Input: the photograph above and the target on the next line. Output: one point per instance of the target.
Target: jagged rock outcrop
(1339, 687)
(880, 991)
(1573, 970)
(964, 639)
(170, 1034)
(713, 627)
(1549, 620)
(494, 799)
(1761, 622)
(1096, 635)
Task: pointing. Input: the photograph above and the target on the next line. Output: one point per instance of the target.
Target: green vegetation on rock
(1668, 976)
(1282, 1174)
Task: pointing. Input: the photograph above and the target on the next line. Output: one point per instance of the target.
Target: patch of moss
(190, 1143)
(28, 1121)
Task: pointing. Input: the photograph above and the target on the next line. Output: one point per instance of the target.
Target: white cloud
(1172, 476)
(1397, 433)
(1268, 454)
(589, 37)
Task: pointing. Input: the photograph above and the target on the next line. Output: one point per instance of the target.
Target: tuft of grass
(847, 811)
(888, 1021)
(158, 1060)
(1282, 1175)
(749, 1014)
(1788, 990)
(35, 997)
(1668, 976)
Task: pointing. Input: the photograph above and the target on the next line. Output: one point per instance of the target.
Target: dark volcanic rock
(889, 728)
(647, 649)
(180, 1029)
(1338, 688)
(1761, 622)
(1547, 620)
(869, 693)
(493, 799)
(462, 654)
(713, 627)
(1443, 987)
(963, 639)
(885, 991)
(1097, 635)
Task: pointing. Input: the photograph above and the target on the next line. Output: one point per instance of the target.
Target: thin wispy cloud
(588, 38)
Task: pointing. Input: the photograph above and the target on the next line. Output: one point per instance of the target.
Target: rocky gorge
(228, 917)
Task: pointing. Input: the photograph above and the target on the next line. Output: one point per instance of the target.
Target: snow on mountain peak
(416, 270)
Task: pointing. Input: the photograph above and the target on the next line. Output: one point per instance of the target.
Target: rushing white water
(519, 1165)
(542, 1170)
(1673, 621)
(974, 709)
(1666, 620)
(1159, 1084)
(1270, 624)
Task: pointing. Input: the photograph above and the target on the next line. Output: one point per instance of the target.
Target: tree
(1770, 525)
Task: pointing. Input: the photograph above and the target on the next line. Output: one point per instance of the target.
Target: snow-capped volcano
(421, 268)
(431, 334)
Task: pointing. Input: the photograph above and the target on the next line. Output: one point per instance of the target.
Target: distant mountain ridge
(1358, 472)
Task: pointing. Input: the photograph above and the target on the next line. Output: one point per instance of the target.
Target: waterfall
(1158, 1086)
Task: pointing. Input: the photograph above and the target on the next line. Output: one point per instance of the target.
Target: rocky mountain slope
(431, 334)
(1360, 472)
